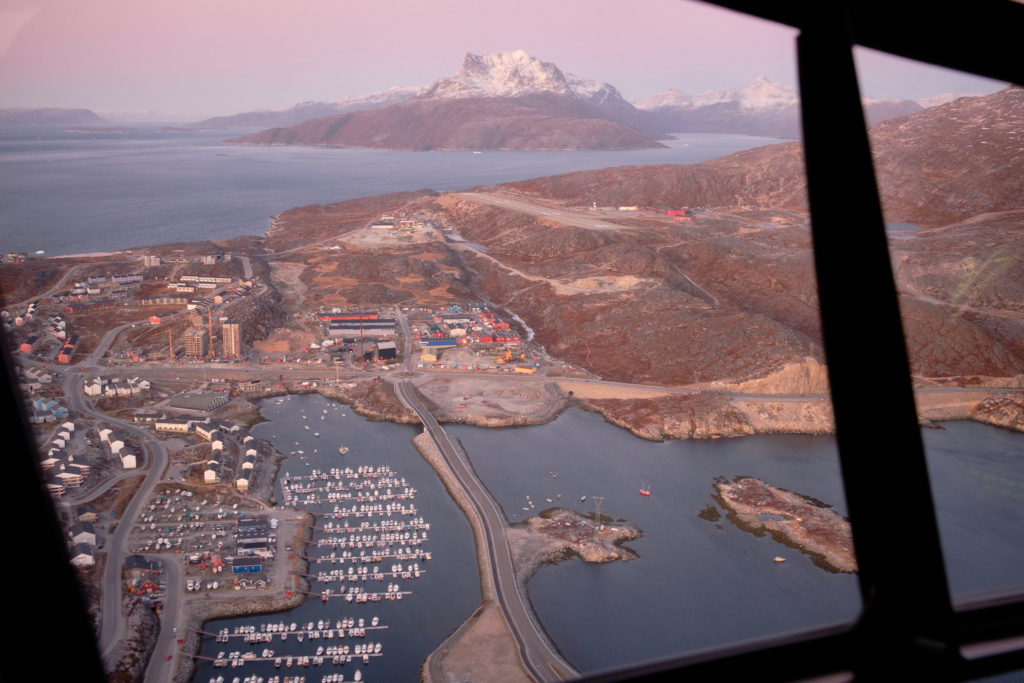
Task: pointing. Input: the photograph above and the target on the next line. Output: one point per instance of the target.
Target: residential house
(82, 532)
(82, 555)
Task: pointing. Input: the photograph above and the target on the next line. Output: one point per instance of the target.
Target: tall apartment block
(231, 333)
(195, 343)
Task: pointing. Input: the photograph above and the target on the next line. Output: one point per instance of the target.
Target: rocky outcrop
(696, 416)
(792, 519)
(1002, 411)
(807, 376)
(556, 535)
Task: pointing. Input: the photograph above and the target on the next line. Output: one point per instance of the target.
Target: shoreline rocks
(792, 519)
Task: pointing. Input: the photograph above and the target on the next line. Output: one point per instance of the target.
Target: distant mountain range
(305, 111)
(510, 100)
(50, 116)
(763, 108)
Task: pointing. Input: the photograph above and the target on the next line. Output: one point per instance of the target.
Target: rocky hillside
(765, 176)
(954, 161)
(543, 121)
(940, 165)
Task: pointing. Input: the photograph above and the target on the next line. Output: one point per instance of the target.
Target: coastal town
(142, 401)
(144, 373)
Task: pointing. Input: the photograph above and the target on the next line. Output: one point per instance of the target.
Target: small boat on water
(343, 450)
(645, 490)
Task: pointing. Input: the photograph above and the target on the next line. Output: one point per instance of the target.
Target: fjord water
(70, 193)
(699, 581)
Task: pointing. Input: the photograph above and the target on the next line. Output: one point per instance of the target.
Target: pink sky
(198, 58)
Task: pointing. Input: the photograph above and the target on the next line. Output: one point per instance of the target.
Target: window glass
(656, 300)
(949, 176)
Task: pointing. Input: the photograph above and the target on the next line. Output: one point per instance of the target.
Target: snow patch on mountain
(764, 95)
(761, 95)
(512, 74)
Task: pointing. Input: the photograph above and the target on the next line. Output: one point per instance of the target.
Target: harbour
(373, 573)
(699, 580)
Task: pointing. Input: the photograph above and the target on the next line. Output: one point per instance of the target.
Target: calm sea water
(699, 582)
(68, 193)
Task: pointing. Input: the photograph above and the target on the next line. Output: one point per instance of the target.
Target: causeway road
(539, 656)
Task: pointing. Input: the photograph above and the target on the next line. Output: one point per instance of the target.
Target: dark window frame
(908, 625)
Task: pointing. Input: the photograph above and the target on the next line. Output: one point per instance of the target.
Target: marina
(368, 547)
(364, 548)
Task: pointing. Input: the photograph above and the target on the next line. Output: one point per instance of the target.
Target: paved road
(536, 651)
(112, 626)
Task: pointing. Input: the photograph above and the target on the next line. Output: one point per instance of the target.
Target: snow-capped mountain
(761, 95)
(514, 74)
(505, 100)
(762, 108)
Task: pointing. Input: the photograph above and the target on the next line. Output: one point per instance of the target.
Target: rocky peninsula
(792, 519)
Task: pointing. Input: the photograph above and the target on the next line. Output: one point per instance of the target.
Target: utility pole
(597, 505)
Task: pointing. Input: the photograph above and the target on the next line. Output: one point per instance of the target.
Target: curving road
(539, 657)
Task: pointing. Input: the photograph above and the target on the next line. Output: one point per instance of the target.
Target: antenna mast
(597, 505)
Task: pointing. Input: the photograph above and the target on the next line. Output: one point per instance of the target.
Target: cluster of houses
(116, 447)
(17, 320)
(101, 386)
(82, 537)
(191, 283)
(115, 285)
(45, 410)
(213, 468)
(60, 469)
(55, 326)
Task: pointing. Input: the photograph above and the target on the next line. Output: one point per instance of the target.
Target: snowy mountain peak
(510, 74)
(765, 94)
(761, 95)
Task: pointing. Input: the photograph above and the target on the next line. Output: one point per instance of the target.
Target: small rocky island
(792, 519)
(557, 534)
